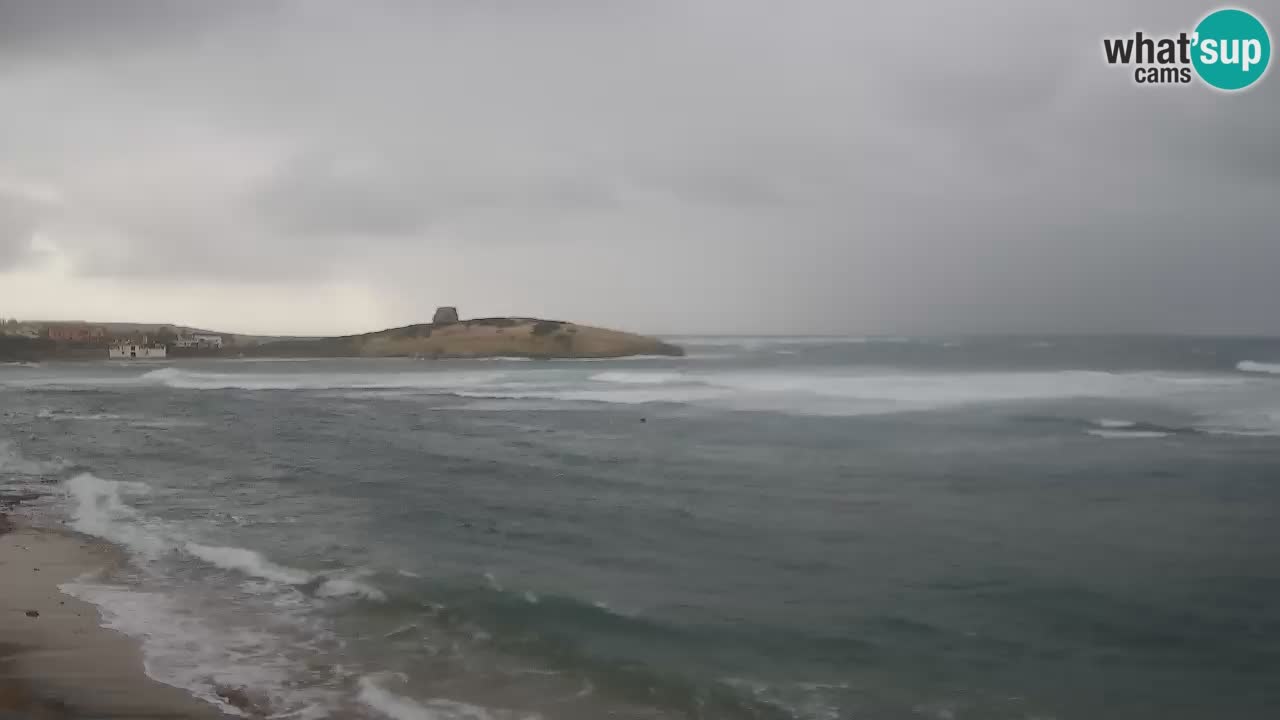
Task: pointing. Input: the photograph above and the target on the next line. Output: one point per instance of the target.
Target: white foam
(1258, 367)
(256, 565)
(1128, 434)
(757, 342)
(99, 509)
(624, 396)
(249, 562)
(427, 380)
(67, 382)
(376, 696)
(860, 392)
(931, 391)
(182, 650)
(1239, 431)
(1244, 422)
(639, 378)
(1109, 423)
(198, 645)
(637, 358)
(270, 359)
(349, 587)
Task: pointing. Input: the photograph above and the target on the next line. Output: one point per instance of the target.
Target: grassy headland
(482, 337)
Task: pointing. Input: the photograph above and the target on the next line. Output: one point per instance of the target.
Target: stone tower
(445, 315)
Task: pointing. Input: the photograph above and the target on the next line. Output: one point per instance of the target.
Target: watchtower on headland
(445, 315)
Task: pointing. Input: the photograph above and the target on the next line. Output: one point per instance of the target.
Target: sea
(769, 528)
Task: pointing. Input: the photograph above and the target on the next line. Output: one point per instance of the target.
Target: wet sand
(55, 660)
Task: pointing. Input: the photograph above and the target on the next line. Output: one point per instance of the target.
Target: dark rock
(445, 315)
(546, 327)
(242, 699)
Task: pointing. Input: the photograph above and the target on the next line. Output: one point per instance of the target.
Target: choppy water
(769, 528)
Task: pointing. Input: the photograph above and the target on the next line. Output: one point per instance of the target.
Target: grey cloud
(314, 195)
(770, 167)
(41, 30)
(311, 196)
(19, 219)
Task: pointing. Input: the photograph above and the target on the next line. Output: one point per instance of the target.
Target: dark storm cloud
(803, 167)
(44, 29)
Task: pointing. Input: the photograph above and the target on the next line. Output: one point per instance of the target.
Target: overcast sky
(734, 166)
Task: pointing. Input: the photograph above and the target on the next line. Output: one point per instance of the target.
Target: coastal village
(117, 341)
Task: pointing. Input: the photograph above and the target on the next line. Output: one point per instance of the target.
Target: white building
(137, 352)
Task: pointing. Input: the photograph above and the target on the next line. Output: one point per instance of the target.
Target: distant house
(133, 351)
(76, 333)
(207, 340)
(198, 340)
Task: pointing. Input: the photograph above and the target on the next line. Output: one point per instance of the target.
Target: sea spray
(99, 509)
(249, 562)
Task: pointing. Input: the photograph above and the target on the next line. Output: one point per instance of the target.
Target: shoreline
(56, 660)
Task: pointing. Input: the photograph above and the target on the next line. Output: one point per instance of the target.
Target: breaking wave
(1128, 434)
(184, 647)
(248, 562)
(374, 694)
(1258, 367)
(639, 378)
(99, 508)
(183, 650)
(862, 393)
(760, 342)
(256, 565)
(798, 391)
(190, 380)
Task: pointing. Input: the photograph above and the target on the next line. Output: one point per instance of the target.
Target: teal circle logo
(1231, 49)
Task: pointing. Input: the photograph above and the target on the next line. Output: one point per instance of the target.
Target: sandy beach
(55, 660)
